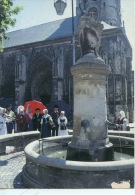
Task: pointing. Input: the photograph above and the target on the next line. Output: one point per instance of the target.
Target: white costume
(28, 111)
(20, 109)
(45, 116)
(10, 114)
(62, 118)
(125, 121)
(3, 127)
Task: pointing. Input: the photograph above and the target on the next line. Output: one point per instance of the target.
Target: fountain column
(90, 140)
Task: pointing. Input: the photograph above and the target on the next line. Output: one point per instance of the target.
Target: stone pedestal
(90, 140)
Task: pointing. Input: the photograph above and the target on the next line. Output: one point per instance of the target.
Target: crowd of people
(54, 124)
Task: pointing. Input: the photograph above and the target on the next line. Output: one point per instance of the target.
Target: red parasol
(33, 105)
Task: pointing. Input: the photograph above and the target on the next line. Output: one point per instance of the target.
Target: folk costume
(62, 121)
(3, 127)
(122, 121)
(20, 120)
(28, 118)
(55, 115)
(10, 120)
(45, 122)
(36, 119)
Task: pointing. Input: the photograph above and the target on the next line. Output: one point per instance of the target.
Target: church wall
(1, 71)
(118, 57)
(28, 62)
(58, 58)
(7, 64)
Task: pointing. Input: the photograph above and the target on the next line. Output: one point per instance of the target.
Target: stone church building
(36, 61)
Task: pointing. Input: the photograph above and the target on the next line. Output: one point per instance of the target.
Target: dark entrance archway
(45, 99)
(44, 92)
(40, 80)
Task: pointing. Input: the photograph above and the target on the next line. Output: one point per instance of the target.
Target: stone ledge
(18, 140)
(17, 135)
(121, 133)
(113, 132)
(77, 165)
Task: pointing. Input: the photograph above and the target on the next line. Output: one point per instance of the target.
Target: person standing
(55, 115)
(10, 119)
(3, 127)
(62, 122)
(20, 120)
(28, 117)
(36, 119)
(122, 121)
(45, 124)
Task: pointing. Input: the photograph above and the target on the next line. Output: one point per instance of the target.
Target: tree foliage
(7, 10)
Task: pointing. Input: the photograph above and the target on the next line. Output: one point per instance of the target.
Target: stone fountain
(90, 136)
(86, 159)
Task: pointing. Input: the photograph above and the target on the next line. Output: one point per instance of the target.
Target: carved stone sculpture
(89, 31)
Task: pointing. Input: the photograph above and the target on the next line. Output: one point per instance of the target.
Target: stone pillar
(17, 84)
(58, 74)
(125, 93)
(20, 77)
(90, 140)
(0, 76)
(90, 135)
(54, 89)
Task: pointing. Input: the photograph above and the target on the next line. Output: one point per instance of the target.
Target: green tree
(7, 10)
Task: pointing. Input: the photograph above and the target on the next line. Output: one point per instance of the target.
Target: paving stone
(11, 170)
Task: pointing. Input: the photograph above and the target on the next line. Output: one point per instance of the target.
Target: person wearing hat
(10, 120)
(36, 119)
(55, 115)
(3, 127)
(20, 120)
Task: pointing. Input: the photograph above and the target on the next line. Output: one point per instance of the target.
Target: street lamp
(60, 6)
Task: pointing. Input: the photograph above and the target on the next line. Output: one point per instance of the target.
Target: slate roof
(43, 32)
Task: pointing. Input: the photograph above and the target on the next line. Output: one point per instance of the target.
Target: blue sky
(39, 12)
(42, 11)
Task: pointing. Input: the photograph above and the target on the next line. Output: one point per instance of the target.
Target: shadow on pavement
(3, 162)
(18, 182)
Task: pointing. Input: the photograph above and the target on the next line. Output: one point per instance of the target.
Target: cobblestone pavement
(11, 170)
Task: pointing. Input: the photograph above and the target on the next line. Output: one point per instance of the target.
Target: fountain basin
(41, 171)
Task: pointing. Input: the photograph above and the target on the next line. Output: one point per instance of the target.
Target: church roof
(43, 32)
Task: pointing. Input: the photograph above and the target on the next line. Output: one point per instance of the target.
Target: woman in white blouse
(62, 121)
(45, 124)
(3, 127)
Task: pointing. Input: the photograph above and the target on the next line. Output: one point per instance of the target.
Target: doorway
(41, 86)
(45, 99)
